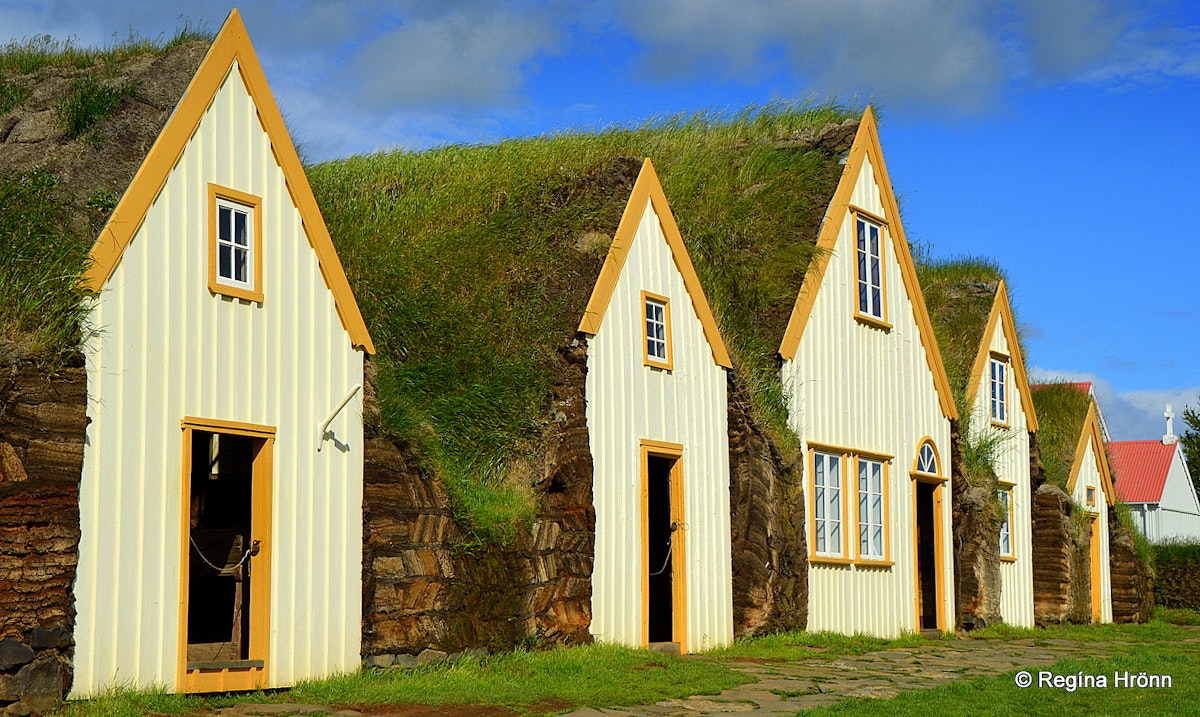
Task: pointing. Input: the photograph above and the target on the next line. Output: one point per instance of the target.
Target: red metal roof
(1140, 469)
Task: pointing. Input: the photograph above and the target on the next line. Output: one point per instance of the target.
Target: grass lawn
(556, 681)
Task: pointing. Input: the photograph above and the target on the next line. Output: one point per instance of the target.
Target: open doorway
(664, 569)
(928, 597)
(225, 576)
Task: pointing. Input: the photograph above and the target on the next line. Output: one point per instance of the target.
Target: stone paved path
(784, 688)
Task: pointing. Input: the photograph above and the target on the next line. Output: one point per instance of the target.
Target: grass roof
(1061, 410)
(472, 265)
(959, 294)
(75, 124)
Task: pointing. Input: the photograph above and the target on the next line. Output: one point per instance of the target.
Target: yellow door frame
(939, 538)
(679, 623)
(231, 676)
(1097, 591)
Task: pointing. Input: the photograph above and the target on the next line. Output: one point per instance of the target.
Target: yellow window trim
(844, 557)
(886, 559)
(1010, 557)
(880, 321)
(647, 359)
(254, 204)
(937, 458)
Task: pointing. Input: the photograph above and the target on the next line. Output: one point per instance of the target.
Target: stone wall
(1061, 560)
(42, 422)
(770, 554)
(1177, 582)
(1131, 578)
(428, 584)
(976, 544)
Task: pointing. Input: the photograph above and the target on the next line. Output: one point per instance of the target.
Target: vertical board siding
(628, 402)
(860, 387)
(1012, 468)
(162, 348)
(1089, 476)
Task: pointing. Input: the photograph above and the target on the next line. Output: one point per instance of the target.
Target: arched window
(927, 459)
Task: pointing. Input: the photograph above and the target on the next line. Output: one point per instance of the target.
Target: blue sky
(1055, 137)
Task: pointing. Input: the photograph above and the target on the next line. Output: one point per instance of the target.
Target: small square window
(235, 244)
(1091, 495)
(656, 331)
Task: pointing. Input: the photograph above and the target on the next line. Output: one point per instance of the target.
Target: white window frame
(828, 492)
(868, 242)
(228, 244)
(872, 494)
(927, 459)
(998, 394)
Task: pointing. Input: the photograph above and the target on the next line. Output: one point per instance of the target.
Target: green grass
(41, 261)
(1177, 616)
(472, 266)
(796, 645)
(29, 55)
(610, 676)
(526, 682)
(959, 294)
(88, 102)
(1061, 410)
(1000, 696)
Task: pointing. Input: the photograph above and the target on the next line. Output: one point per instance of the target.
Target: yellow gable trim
(230, 49)
(1091, 434)
(647, 188)
(1002, 315)
(867, 147)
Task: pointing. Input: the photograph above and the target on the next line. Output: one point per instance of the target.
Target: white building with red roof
(1153, 479)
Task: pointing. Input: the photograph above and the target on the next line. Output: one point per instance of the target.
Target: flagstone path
(784, 688)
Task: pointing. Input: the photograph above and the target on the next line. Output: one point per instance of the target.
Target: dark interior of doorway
(658, 559)
(218, 619)
(926, 556)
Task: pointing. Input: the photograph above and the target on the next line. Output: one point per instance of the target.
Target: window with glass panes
(1006, 546)
(999, 392)
(870, 509)
(235, 249)
(870, 267)
(657, 349)
(827, 504)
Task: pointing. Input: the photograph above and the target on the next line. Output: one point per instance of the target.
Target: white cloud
(457, 59)
(1130, 415)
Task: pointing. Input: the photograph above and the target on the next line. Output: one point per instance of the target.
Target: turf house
(1072, 512)
(868, 395)
(993, 490)
(513, 446)
(189, 501)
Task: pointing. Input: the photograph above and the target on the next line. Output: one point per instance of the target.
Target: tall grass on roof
(472, 265)
(959, 293)
(41, 262)
(26, 56)
(1061, 410)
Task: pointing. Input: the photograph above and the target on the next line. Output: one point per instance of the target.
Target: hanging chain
(666, 562)
(223, 571)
